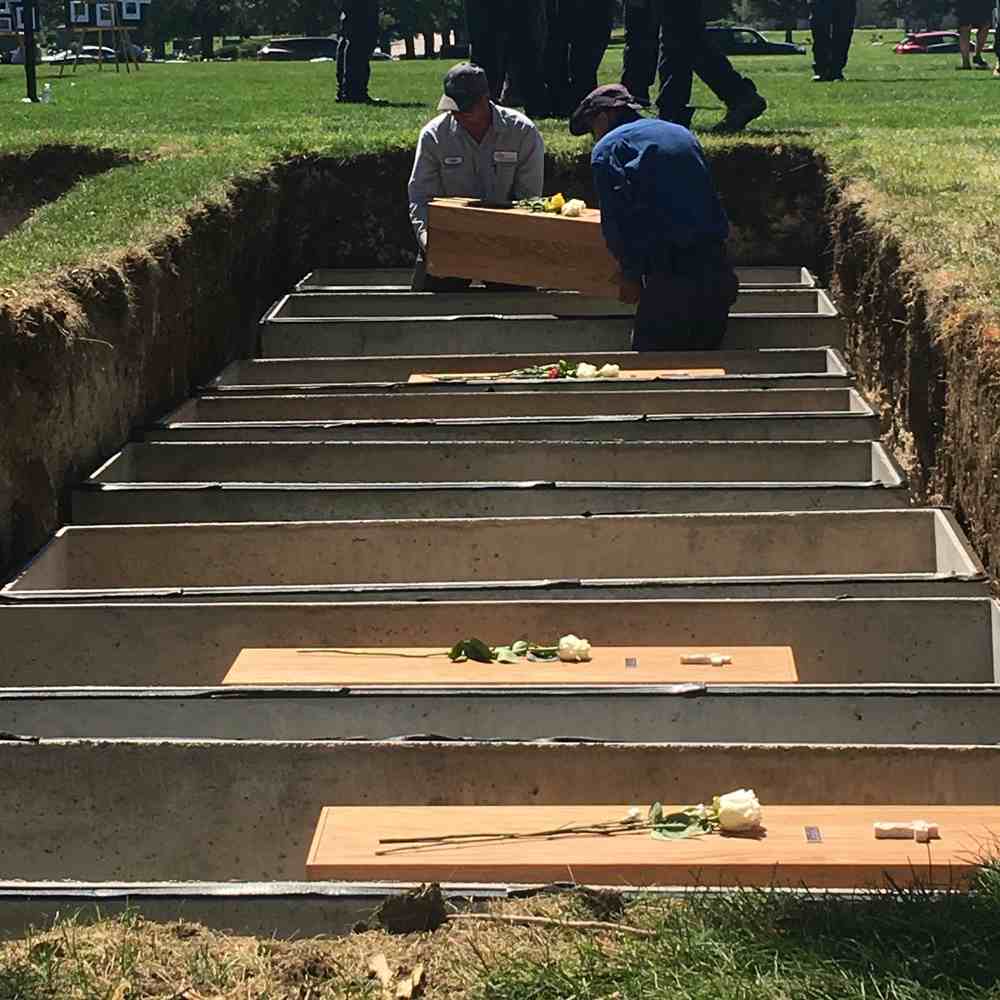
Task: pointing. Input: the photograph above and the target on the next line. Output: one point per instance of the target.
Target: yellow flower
(555, 203)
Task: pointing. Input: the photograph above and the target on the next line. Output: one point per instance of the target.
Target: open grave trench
(175, 747)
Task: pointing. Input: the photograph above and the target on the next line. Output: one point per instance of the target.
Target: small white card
(505, 156)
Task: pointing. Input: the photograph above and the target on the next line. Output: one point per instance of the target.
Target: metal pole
(29, 49)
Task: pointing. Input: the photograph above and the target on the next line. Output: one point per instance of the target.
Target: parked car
(750, 42)
(88, 54)
(287, 49)
(928, 43)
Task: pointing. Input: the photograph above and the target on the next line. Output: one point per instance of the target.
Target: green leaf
(677, 826)
(504, 654)
(520, 647)
(471, 649)
(655, 813)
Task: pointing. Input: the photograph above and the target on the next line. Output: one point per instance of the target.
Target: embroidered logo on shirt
(454, 161)
(504, 156)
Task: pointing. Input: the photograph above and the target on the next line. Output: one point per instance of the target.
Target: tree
(785, 12)
(918, 13)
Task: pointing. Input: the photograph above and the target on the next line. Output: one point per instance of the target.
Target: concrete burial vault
(237, 646)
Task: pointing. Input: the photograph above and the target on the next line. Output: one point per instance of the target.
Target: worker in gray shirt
(475, 149)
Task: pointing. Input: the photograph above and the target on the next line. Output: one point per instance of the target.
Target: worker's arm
(529, 181)
(618, 224)
(425, 184)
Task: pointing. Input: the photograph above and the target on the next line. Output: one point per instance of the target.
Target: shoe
(996, 72)
(819, 78)
(738, 116)
(361, 99)
(980, 63)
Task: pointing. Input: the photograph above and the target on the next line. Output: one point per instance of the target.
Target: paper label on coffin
(609, 665)
(346, 845)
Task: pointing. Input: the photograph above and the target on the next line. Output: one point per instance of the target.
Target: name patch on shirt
(454, 161)
(504, 156)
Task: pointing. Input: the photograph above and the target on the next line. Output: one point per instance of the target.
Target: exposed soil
(931, 367)
(28, 181)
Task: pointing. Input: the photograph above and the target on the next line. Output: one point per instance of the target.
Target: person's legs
(525, 32)
(964, 35)
(642, 38)
(685, 306)
(557, 59)
(685, 49)
(845, 14)
(982, 35)
(590, 39)
(359, 35)
(821, 25)
(486, 41)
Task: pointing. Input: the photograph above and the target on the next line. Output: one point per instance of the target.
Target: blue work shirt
(656, 193)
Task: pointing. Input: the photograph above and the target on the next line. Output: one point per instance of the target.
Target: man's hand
(423, 240)
(629, 290)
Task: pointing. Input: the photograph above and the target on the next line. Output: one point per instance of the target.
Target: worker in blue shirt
(662, 221)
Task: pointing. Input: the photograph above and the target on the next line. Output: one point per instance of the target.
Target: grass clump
(749, 945)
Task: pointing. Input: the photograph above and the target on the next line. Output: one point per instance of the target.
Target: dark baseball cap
(606, 98)
(464, 84)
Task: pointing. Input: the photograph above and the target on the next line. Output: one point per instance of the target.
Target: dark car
(286, 49)
(750, 42)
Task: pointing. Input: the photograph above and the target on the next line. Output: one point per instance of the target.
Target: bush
(228, 52)
(249, 49)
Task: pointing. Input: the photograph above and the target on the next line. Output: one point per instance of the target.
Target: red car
(928, 42)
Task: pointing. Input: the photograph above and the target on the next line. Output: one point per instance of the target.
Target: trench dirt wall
(932, 368)
(96, 352)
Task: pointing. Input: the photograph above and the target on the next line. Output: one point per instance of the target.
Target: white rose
(609, 371)
(583, 370)
(634, 815)
(574, 650)
(739, 811)
(573, 208)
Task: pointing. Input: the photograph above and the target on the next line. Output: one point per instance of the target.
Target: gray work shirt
(507, 165)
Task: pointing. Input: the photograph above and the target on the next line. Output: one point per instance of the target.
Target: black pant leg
(557, 46)
(821, 25)
(845, 14)
(685, 49)
(421, 281)
(359, 27)
(642, 40)
(526, 31)
(589, 42)
(486, 40)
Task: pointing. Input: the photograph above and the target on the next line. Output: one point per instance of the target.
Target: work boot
(738, 116)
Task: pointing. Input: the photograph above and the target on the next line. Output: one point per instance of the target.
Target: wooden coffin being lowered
(520, 247)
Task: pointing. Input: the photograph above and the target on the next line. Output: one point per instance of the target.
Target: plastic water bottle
(47, 94)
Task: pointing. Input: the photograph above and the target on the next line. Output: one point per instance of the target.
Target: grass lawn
(743, 946)
(919, 140)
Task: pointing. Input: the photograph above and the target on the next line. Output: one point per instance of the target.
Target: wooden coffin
(615, 665)
(520, 247)
(844, 854)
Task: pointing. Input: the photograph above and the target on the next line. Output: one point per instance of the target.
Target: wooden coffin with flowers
(520, 247)
(819, 846)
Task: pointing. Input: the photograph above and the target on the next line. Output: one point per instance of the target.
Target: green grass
(919, 140)
(748, 945)
(760, 946)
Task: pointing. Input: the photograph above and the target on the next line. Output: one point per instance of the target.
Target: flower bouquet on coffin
(550, 371)
(737, 813)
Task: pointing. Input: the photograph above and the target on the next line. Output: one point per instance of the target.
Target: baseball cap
(606, 98)
(464, 84)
